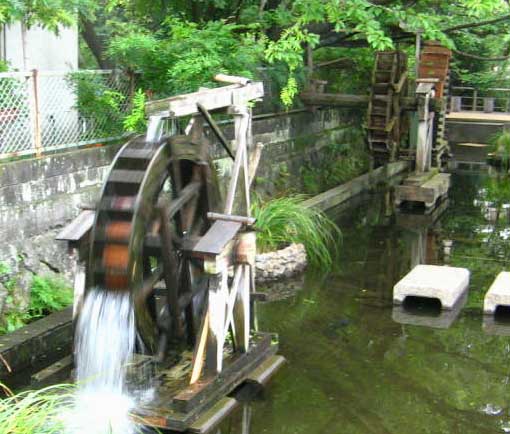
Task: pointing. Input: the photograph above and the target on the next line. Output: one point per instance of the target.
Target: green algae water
(356, 365)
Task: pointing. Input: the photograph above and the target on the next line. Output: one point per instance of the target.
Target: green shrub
(182, 56)
(48, 294)
(286, 220)
(136, 121)
(98, 103)
(500, 145)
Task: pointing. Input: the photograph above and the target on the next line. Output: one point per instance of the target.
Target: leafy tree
(202, 36)
(184, 55)
(49, 13)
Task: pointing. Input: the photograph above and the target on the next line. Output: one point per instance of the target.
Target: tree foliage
(184, 55)
(48, 13)
(178, 45)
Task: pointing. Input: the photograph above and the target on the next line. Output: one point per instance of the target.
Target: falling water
(105, 340)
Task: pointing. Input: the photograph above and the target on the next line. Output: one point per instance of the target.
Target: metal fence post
(37, 114)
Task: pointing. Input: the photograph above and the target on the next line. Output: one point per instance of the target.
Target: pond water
(358, 365)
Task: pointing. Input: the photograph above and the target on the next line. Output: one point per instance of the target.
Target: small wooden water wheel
(386, 124)
(435, 67)
(161, 232)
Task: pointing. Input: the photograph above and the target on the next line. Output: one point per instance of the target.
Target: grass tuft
(35, 411)
(286, 220)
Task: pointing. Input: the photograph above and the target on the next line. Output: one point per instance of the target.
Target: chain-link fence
(46, 111)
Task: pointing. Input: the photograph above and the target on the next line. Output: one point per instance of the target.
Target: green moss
(338, 164)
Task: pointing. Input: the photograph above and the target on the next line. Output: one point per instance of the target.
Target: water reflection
(353, 367)
(240, 421)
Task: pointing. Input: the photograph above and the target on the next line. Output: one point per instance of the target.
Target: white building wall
(51, 54)
(44, 50)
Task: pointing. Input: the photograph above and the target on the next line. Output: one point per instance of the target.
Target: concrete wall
(473, 132)
(39, 194)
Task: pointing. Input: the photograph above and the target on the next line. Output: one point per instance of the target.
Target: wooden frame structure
(204, 254)
(424, 185)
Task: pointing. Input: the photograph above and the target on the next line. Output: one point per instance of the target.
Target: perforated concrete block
(448, 284)
(498, 294)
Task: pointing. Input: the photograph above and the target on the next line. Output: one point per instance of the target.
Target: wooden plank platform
(216, 238)
(423, 188)
(189, 408)
(78, 228)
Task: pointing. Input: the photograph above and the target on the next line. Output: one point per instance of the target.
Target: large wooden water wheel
(386, 124)
(161, 233)
(153, 208)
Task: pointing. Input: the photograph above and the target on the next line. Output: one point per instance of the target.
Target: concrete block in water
(447, 284)
(415, 317)
(498, 294)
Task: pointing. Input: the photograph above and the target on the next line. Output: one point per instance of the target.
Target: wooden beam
(215, 129)
(211, 99)
(358, 101)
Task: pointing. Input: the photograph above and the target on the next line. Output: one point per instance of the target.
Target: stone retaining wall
(39, 195)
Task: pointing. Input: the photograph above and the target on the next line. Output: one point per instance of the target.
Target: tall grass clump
(51, 410)
(286, 220)
(36, 411)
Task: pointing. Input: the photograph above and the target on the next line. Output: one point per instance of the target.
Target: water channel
(358, 365)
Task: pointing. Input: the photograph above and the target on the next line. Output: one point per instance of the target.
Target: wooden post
(242, 122)
(171, 272)
(242, 311)
(36, 114)
(218, 292)
(417, 54)
(425, 92)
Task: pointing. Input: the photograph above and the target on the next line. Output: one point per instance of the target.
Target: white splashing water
(104, 347)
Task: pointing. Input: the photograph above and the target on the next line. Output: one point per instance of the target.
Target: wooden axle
(361, 101)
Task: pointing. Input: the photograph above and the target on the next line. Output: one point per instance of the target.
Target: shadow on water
(502, 315)
(357, 365)
(422, 306)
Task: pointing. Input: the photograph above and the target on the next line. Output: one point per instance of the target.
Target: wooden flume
(162, 232)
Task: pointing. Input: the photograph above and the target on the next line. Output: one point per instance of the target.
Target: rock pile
(281, 263)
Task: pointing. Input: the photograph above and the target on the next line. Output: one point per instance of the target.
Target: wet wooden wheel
(153, 209)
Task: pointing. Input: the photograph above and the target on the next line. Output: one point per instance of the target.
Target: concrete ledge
(35, 346)
(498, 294)
(447, 284)
(335, 196)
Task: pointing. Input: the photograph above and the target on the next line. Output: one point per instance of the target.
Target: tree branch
(474, 56)
(476, 24)
(95, 42)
